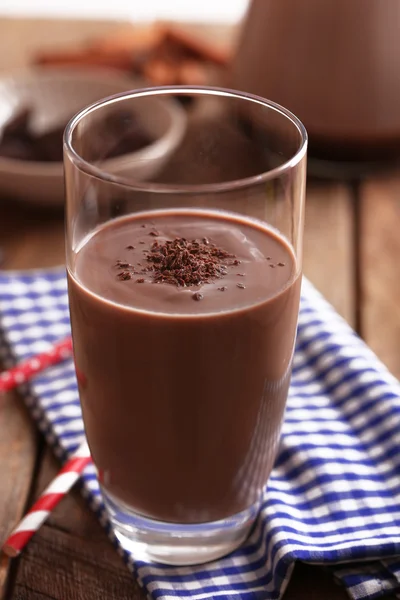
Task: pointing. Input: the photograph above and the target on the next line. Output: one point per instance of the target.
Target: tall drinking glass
(184, 223)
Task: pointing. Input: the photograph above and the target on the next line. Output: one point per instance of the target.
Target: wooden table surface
(352, 250)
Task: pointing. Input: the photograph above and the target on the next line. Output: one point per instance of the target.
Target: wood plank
(59, 566)
(72, 547)
(18, 443)
(329, 245)
(380, 271)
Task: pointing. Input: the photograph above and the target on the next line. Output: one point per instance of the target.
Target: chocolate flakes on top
(184, 263)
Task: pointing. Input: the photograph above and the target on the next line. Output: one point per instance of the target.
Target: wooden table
(352, 250)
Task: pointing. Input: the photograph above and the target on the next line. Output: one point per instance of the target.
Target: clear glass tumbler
(184, 223)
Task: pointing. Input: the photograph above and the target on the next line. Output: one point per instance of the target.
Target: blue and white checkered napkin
(334, 495)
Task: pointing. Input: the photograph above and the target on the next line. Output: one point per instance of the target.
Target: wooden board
(380, 268)
(72, 549)
(18, 449)
(329, 247)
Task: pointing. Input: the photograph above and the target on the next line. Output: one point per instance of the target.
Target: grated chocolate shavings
(121, 264)
(124, 275)
(184, 263)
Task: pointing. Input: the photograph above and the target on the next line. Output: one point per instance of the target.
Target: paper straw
(26, 369)
(48, 500)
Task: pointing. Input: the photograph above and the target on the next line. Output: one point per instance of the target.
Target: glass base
(173, 543)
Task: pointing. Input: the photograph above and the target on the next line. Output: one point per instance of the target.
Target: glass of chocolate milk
(184, 259)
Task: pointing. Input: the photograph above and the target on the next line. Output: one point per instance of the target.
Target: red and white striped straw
(48, 500)
(26, 369)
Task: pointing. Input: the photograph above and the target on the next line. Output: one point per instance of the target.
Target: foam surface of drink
(266, 262)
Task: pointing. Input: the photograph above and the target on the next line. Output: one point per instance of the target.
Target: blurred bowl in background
(54, 96)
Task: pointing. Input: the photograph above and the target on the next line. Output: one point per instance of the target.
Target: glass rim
(92, 170)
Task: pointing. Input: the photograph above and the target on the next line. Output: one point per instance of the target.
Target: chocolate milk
(183, 387)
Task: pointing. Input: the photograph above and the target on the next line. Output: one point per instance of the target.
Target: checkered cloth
(334, 496)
